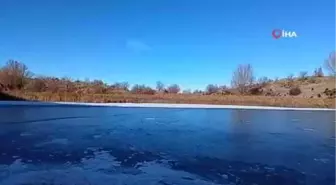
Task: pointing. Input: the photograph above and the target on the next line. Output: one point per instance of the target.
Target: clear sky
(189, 42)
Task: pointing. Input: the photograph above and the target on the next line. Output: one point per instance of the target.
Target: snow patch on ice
(158, 105)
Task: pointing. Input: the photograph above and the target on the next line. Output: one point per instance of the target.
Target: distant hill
(310, 87)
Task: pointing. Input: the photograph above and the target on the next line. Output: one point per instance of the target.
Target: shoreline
(158, 105)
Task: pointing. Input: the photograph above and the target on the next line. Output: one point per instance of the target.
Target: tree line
(15, 75)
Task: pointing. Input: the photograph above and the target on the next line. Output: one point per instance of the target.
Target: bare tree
(142, 89)
(222, 88)
(242, 78)
(121, 86)
(211, 89)
(173, 89)
(290, 77)
(14, 75)
(197, 91)
(303, 75)
(263, 80)
(124, 85)
(187, 91)
(330, 64)
(159, 86)
(289, 82)
(318, 72)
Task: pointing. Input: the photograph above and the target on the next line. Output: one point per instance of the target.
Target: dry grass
(180, 98)
(16, 80)
(311, 87)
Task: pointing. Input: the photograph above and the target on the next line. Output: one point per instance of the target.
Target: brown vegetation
(179, 98)
(14, 75)
(301, 91)
(295, 91)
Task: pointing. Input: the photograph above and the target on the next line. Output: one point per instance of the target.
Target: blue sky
(189, 42)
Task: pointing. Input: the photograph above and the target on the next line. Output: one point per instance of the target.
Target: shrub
(187, 91)
(212, 89)
(97, 86)
(159, 86)
(173, 89)
(312, 80)
(331, 93)
(256, 90)
(197, 92)
(66, 85)
(142, 89)
(36, 85)
(120, 86)
(289, 82)
(264, 81)
(53, 84)
(14, 75)
(294, 91)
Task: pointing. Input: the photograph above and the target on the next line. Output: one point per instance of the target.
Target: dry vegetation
(303, 90)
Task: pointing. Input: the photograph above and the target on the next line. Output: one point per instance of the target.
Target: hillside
(311, 87)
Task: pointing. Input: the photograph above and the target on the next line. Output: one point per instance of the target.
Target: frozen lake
(90, 145)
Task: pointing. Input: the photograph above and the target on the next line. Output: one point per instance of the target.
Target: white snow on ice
(159, 105)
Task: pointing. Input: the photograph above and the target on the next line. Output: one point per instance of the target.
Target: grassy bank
(179, 98)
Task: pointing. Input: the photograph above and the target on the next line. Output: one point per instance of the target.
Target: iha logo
(277, 33)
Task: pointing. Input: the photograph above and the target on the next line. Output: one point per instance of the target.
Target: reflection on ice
(98, 170)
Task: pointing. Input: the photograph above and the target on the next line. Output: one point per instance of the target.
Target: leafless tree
(124, 85)
(290, 77)
(303, 75)
(187, 91)
(14, 75)
(223, 87)
(318, 72)
(121, 86)
(197, 91)
(242, 78)
(330, 64)
(211, 89)
(159, 86)
(142, 89)
(263, 80)
(173, 89)
(97, 83)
